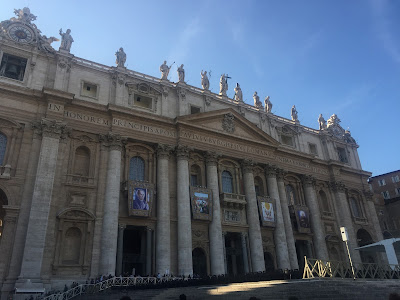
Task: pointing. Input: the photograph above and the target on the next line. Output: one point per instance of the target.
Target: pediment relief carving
(229, 122)
(76, 214)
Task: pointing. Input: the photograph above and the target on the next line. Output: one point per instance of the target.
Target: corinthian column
(256, 247)
(287, 222)
(163, 234)
(215, 228)
(315, 214)
(344, 216)
(185, 262)
(41, 200)
(109, 235)
(282, 253)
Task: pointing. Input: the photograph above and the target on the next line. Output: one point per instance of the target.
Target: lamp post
(345, 238)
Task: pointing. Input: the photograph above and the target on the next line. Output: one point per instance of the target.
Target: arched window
(82, 161)
(136, 169)
(355, 207)
(72, 246)
(227, 182)
(259, 186)
(324, 201)
(195, 175)
(291, 195)
(3, 147)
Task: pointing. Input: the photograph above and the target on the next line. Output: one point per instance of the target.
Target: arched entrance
(3, 202)
(199, 262)
(269, 262)
(364, 238)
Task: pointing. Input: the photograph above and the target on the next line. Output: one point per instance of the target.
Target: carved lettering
(86, 118)
(55, 107)
(143, 128)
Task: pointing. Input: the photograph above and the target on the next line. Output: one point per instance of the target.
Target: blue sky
(325, 57)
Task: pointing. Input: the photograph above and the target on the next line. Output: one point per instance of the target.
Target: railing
(106, 284)
(316, 268)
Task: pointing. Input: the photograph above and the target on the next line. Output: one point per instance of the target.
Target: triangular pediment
(227, 122)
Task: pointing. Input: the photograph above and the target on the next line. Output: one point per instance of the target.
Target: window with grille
(355, 207)
(136, 169)
(227, 182)
(3, 147)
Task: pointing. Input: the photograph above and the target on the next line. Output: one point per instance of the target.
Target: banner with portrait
(201, 203)
(266, 207)
(140, 198)
(302, 219)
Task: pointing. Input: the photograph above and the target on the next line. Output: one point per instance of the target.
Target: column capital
(50, 128)
(308, 180)
(280, 174)
(164, 151)
(212, 158)
(271, 171)
(182, 152)
(113, 141)
(337, 186)
(247, 166)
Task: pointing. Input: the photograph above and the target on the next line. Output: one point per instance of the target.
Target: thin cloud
(380, 12)
(182, 46)
(354, 96)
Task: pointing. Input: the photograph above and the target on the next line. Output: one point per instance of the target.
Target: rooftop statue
(181, 74)
(66, 40)
(333, 120)
(257, 102)
(121, 58)
(205, 83)
(294, 115)
(321, 122)
(268, 105)
(164, 69)
(45, 43)
(223, 84)
(238, 93)
(24, 15)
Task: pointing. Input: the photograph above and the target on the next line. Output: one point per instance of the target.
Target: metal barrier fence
(106, 284)
(314, 268)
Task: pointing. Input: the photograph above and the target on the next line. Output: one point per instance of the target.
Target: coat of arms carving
(228, 123)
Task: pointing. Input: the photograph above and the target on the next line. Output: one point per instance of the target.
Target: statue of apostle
(121, 57)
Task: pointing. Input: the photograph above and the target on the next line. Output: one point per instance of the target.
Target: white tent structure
(390, 246)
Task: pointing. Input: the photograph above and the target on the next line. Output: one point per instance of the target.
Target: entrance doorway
(199, 262)
(303, 248)
(234, 253)
(134, 251)
(364, 238)
(269, 262)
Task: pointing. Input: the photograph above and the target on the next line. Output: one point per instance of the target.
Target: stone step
(327, 289)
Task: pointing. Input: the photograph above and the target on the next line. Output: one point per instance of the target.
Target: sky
(323, 56)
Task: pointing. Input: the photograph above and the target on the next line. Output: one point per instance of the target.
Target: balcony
(231, 200)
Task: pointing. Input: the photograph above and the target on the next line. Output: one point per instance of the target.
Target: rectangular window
(193, 180)
(342, 155)
(381, 182)
(313, 148)
(194, 110)
(386, 194)
(370, 187)
(143, 101)
(89, 90)
(287, 140)
(397, 190)
(395, 179)
(13, 67)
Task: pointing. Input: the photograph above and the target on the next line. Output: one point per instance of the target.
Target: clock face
(20, 33)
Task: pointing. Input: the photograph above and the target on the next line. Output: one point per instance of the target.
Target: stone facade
(105, 170)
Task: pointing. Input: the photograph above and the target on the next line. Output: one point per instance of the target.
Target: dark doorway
(3, 202)
(269, 262)
(134, 251)
(364, 238)
(303, 248)
(199, 262)
(234, 254)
